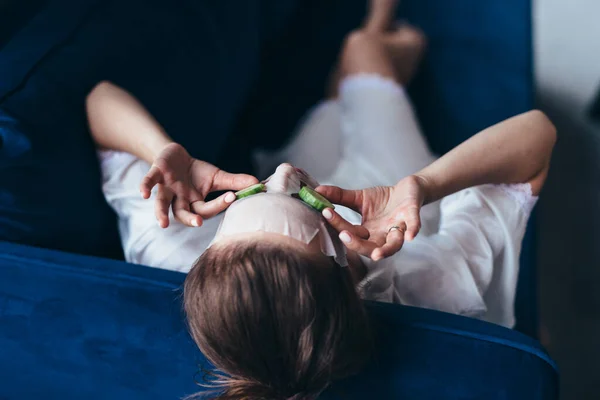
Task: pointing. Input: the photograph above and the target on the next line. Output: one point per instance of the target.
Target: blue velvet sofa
(223, 76)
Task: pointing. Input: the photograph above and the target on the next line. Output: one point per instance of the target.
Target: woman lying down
(274, 286)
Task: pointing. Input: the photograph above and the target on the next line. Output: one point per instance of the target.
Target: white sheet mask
(276, 211)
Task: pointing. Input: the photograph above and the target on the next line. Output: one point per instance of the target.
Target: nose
(285, 167)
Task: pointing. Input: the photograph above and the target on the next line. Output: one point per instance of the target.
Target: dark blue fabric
(76, 327)
(221, 81)
(82, 327)
(14, 14)
(192, 63)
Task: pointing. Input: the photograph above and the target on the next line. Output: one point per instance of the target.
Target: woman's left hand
(390, 215)
(184, 182)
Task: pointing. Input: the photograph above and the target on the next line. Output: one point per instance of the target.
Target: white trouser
(368, 137)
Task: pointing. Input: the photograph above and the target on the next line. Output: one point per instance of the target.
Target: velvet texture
(78, 327)
(221, 76)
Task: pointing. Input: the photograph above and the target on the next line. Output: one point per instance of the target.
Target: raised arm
(118, 121)
(517, 150)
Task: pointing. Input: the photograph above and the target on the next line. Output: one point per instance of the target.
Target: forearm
(514, 151)
(119, 122)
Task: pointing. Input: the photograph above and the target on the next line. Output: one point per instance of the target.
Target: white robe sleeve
(143, 240)
(470, 267)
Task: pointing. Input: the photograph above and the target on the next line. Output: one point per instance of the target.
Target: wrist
(428, 187)
(155, 147)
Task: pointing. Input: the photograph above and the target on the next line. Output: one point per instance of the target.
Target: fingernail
(195, 222)
(327, 213)
(229, 198)
(345, 237)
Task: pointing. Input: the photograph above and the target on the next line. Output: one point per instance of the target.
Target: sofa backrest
(192, 63)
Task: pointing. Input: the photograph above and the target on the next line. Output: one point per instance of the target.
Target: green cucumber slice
(314, 199)
(249, 191)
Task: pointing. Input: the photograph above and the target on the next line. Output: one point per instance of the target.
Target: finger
(181, 210)
(361, 246)
(340, 224)
(348, 198)
(164, 197)
(152, 178)
(227, 181)
(393, 243)
(413, 223)
(211, 208)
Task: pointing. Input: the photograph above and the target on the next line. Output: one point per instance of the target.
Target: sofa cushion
(78, 327)
(192, 63)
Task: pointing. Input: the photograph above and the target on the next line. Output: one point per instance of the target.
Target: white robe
(465, 260)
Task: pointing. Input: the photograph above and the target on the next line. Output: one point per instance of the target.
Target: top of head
(277, 319)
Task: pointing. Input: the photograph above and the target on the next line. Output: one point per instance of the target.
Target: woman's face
(289, 180)
(280, 216)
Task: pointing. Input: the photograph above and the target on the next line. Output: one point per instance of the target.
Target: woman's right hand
(390, 215)
(184, 182)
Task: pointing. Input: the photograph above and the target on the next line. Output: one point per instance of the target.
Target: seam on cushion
(83, 270)
(110, 276)
(520, 344)
(488, 338)
(48, 53)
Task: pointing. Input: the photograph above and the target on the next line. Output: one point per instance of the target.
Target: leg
(366, 53)
(316, 147)
(320, 146)
(382, 140)
(381, 14)
(379, 19)
(394, 55)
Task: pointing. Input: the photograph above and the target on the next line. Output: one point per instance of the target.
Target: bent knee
(358, 41)
(362, 53)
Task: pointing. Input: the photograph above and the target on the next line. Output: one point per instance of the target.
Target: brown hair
(276, 323)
